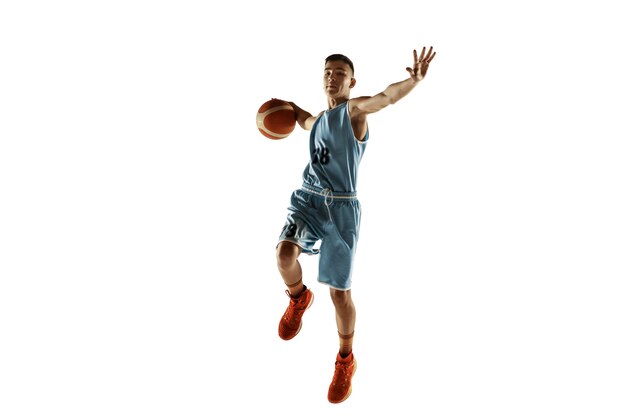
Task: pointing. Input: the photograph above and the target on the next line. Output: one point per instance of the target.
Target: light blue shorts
(332, 218)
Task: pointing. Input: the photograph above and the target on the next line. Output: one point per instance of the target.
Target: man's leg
(345, 364)
(300, 297)
(287, 259)
(345, 315)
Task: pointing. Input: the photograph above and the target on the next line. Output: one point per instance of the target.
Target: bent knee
(286, 254)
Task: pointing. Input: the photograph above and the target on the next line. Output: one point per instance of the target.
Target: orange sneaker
(341, 387)
(291, 322)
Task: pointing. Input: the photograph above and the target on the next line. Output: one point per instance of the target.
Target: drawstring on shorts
(328, 200)
(329, 196)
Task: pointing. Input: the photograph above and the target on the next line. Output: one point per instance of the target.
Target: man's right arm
(303, 117)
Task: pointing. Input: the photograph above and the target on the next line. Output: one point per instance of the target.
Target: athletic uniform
(326, 207)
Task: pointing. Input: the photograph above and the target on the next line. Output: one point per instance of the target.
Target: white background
(140, 209)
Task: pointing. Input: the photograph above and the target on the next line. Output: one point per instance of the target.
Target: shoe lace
(341, 373)
(292, 311)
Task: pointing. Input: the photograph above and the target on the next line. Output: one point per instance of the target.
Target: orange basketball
(276, 119)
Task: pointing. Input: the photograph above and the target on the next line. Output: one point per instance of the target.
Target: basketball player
(326, 208)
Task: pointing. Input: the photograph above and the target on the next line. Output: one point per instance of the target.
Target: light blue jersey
(326, 208)
(335, 152)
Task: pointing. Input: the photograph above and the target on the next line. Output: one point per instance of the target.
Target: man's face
(337, 79)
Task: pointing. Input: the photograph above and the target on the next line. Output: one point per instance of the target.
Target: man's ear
(352, 82)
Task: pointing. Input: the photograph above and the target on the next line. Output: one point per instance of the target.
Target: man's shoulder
(354, 108)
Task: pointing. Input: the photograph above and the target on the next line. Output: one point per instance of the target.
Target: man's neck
(334, 102)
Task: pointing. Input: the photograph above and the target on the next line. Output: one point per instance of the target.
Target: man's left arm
(366, 105)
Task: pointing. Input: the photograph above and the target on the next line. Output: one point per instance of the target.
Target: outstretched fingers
(430, 55)
(425, 56)
(420, 62)
(422, 54)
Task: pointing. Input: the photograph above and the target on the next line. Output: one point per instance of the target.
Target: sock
(345, 344)
(292, 287)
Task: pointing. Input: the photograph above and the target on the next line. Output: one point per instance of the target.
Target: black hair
(343, 58)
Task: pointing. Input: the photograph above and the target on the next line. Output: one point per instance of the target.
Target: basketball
(276, 119)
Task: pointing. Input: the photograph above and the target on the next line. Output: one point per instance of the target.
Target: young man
(326, 208)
